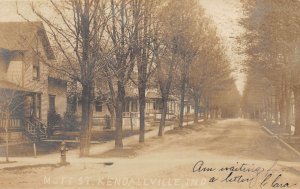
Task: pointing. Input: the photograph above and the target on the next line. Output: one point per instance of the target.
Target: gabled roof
(20, 35)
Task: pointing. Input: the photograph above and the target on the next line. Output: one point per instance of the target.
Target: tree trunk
(72, 100)
(86, 118)
(87, 84)
(288, 109)
(182, 95)
(297, 110)
(6, 133)
(206, 110)
(112, 115)
(266, 110)
(119, 115)
(163, 115)
(282, 112)
(211, 112)
(271, 109)
(142, 104)
(216, 113)
(140, 47)
(196, 114)
(269, 114)
(256, 114)
(276, 109)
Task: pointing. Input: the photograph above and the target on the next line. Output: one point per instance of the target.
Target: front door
(32, 105)
(52, 104)
(28, 106)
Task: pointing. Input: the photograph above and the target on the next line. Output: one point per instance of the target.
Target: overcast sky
(225, 14)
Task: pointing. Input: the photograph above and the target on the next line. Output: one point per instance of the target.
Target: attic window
(36, 72)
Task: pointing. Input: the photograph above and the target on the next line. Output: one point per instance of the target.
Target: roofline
(41, 32)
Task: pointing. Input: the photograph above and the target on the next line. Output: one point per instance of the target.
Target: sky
(8, 10)
(225, 14)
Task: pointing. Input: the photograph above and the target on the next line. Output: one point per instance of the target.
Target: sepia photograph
(149, 94)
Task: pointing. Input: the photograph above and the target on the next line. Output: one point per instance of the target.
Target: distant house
(153, 108)
(23, 46)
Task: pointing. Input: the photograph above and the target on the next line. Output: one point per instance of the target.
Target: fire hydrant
(63, 153)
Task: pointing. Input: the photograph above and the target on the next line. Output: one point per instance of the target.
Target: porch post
(130, 105)
(6, 132)
(34, 101)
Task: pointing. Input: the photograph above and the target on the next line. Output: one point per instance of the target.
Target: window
(98, 106)
(36, 72)
(51, 103)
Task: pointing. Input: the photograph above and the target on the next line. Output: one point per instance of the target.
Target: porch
(11, 129)
(20, 130)
(154, 108)
(11, 124)
(20, 111)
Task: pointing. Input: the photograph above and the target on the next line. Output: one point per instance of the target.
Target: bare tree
(209, 70)
(121, 58)
(272, 51)
(165, 48)
(166, 70)
(77, 36)
(188, 18)
(145, 40)
(10, 101)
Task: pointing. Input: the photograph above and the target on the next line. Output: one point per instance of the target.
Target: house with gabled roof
(25, 52)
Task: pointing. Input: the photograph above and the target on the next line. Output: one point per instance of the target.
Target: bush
(70, 122)
(107, 122)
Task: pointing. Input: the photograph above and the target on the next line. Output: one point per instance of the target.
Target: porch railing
(130, 114)
(35, 129)
(126, 114)
(10, 124)
(153, 111)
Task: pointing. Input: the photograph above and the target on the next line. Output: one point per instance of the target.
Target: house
(154, 105)
(153, 109)
(26, 82)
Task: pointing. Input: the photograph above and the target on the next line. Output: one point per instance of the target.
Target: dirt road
(226, 154)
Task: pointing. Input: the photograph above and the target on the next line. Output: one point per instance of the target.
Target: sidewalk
(284, 136)
(73, 155)
(278, 130)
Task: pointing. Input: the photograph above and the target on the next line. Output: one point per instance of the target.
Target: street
(233, 153)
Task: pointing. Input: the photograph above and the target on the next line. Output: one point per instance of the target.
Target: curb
(22, 167)
(282, 141)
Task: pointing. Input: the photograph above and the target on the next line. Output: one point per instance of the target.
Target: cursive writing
(244, 173)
